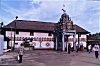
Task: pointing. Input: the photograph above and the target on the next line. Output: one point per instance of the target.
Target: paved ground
(50, 58)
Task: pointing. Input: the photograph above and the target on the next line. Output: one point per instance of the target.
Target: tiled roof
(31, 25)
(38, 25)
(94, 38)
(80, 29)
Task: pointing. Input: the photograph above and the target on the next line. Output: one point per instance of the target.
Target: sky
(84, 13)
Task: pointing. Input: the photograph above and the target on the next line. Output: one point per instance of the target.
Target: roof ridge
(35, 21)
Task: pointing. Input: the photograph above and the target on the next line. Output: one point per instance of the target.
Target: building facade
(40, 39)
(46, 35)
(42, 33)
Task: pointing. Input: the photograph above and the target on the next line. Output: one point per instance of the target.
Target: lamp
(14, 32)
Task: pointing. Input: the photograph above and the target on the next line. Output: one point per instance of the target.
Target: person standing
(69, 48)
(89, 48)
(21, 51)
(96, 49)
(77, 48)
(81, 47)
(33, 46)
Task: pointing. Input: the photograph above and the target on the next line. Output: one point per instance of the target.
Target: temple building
(46, 35)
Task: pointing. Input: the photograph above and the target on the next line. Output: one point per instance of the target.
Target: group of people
(77, 48)
(95, 48)
(90, 48)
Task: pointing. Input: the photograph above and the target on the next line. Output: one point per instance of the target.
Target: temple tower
(64, 28)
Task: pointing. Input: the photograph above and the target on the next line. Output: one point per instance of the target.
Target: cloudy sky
(85, 13)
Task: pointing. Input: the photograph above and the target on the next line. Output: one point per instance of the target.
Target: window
(49, 34)
(31, 33)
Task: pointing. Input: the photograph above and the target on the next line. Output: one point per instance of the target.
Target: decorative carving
(47, 44)
(65, 22)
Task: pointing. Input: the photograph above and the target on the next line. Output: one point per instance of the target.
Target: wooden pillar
(67, 46)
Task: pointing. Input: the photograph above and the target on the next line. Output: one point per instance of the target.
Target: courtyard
(49, 58)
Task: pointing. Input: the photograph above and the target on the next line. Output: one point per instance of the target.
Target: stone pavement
(85, 59)
(50, 58)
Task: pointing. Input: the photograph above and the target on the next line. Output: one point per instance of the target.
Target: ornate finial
(16, 17)
(64, 8)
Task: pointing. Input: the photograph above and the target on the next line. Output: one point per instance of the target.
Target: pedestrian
(33, 45)
(81, 47)
(96, 49)
(89, 48)
(21, 51)
(69, 48)
(77, 48)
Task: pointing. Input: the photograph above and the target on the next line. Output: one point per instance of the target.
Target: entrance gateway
(63, 44)
(64, 29)
(68, 33)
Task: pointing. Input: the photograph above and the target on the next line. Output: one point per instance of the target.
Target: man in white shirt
(96, 47)
(21, 51)
(89, 48)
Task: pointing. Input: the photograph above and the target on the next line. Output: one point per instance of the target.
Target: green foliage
(96, 34)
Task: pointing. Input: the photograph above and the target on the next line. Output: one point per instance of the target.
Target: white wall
(41, 35)
(43, 44)
(81, 41)
(5, 45)
(36, 35)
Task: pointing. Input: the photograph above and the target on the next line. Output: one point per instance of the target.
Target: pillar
(78, 41)
(1, 44)
(66, 46)
(63, 45)
(74, 41)
(56, 43)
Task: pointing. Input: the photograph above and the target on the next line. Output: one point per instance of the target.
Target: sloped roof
(38, 25)
(31, 25)
(94, 38)
(80, 29)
